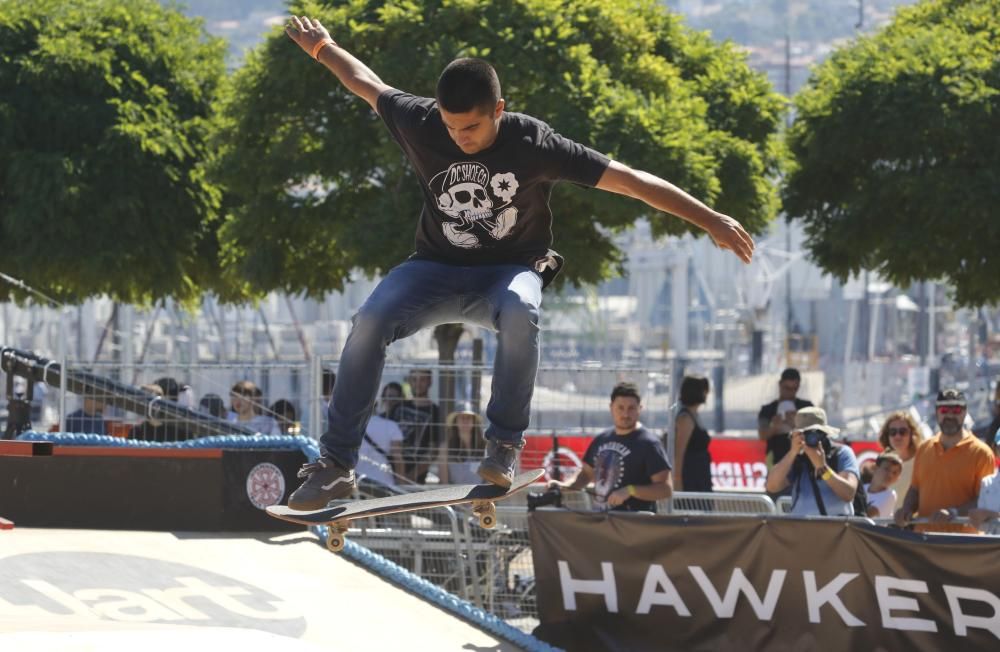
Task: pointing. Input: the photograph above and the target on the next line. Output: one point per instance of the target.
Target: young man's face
(625, 413)
(787, 389)
(474, 130)
(420, 383)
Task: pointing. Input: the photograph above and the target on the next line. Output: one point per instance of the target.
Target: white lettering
(604, 586)
(621, 449)
(222, 596)
(64, 599)
(888, 602)
(828, 595)
(964, 621)
(125, 606)
(174, 599)
(738, 583)
(656, 577)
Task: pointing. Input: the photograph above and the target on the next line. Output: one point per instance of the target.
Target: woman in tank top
(691, 440)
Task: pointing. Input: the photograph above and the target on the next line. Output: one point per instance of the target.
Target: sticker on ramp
(265, 485)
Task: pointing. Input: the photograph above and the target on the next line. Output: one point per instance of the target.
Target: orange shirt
(949, 478)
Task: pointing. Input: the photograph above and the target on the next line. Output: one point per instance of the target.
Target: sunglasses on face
(951, 409)
(898, 431)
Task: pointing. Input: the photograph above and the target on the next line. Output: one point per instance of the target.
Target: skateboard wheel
(335, 542)
(487, 521)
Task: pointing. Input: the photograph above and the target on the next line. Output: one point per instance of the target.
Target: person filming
(823, 474)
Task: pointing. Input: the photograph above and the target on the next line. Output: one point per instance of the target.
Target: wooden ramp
(82, 590)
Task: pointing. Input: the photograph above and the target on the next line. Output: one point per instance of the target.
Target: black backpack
(860, 496)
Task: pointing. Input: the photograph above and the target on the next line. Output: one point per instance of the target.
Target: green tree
(316, 187)
(896, 158)
(105, 106)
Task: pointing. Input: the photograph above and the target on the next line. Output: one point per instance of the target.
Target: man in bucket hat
(823, 474)
(947, 471)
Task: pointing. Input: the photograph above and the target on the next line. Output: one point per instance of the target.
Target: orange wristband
(319, 47)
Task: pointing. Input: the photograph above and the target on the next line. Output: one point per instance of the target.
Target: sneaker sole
(494, 476)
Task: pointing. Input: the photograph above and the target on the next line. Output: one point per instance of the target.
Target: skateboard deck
(482, 496)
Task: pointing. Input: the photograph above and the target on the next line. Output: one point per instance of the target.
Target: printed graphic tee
(621, 460)
(491, 207)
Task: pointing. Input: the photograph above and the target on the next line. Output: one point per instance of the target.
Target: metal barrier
(694, 502)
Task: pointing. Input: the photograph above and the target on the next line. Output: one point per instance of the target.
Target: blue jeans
(420, 294)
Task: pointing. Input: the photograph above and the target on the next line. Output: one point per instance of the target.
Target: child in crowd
(881, 495)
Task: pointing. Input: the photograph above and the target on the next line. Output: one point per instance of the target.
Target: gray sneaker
(500, 463)
(325, 481)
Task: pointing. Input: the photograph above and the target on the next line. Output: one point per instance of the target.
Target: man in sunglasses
(947, 471)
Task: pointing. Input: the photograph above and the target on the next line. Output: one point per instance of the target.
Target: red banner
(737, 463)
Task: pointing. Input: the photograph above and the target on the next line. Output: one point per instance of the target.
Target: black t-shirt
(491, 207)
(778, 445)
(621, 460)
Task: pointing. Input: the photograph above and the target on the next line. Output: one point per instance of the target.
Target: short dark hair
(394, 385)
(171, 388)
(693, 389)
(284, 409)
(791, 374)
(625, 389)
(467, 84)
(213, 404)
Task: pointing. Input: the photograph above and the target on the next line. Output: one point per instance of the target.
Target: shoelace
(311, 467)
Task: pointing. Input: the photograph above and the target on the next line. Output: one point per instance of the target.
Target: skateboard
(482, 496)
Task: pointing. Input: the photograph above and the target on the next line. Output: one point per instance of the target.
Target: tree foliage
(896, 151)
(317, 188)
(105, 107)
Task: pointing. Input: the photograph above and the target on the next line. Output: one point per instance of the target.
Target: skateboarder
(482, 246)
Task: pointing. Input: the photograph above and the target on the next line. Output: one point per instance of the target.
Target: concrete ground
(82, 590)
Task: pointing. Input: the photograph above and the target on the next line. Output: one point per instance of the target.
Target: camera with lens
(813, 437)
(551, 497)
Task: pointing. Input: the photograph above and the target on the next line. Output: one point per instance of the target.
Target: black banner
(642, 582)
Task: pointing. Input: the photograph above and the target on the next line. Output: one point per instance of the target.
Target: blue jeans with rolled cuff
(421, 294)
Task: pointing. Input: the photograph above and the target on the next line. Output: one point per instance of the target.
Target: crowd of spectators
(944, 483)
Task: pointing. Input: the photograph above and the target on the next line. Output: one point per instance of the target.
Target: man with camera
(627, 464)
(822, 474)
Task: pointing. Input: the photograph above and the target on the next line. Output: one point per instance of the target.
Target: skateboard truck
(486, 510)
(336, 536)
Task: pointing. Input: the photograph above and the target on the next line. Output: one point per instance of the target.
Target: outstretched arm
(309, 34)
(662, 195)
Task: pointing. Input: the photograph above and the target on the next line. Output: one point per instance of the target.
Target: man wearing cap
(822, 474)
(947, 471)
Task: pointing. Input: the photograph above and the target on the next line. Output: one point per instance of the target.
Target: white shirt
(884, 501)
(989, 493)
(373, 464)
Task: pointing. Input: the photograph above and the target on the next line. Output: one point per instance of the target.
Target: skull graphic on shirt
(476, 203)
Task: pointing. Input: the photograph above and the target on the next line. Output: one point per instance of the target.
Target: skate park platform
(83, 590)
